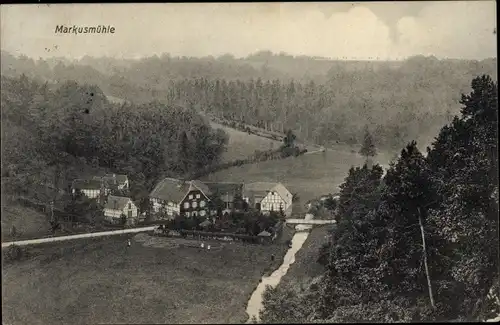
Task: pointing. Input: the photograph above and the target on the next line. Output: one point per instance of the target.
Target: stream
(255, 302)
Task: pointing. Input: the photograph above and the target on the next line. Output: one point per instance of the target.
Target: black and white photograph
(247, 163)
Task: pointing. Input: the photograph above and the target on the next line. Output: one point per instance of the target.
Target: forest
(419, 243)
(322, 101)
(54, 133)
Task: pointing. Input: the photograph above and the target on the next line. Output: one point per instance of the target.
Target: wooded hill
(418, 244)
(322, 100)
(53, 133)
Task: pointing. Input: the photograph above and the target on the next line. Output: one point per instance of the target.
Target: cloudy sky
(383, 30)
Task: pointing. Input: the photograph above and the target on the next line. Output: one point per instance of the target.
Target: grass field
(310, 175)
(103, 281)
(241, 144)
(306, 266)
(28, 222)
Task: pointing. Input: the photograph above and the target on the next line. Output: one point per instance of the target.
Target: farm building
(193, 198)
(267, 197)
(117, 206)
(91, 188)
(189, 198)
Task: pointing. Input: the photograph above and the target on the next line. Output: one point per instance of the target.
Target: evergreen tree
(368, 146)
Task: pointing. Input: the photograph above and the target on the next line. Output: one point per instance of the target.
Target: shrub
(14, 253)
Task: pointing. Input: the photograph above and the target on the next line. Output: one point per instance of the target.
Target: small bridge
(310, 222)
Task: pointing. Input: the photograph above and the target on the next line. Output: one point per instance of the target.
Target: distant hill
(322, 100)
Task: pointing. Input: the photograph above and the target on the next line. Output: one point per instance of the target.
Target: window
(130, 206)
(198, 196)
(195, 204)
(202, 203)
(203, 213)
(186, 205)
(191, 196)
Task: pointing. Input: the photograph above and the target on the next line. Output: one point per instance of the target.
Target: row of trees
(53, 134)
(421, 242)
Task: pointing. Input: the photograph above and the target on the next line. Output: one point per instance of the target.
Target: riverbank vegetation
(419, 243)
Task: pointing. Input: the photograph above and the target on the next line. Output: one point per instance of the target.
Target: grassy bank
(103, 281)
(306, 267)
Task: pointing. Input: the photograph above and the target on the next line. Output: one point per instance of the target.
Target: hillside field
(310, 175)
(28, 222)
(95, 281)
(241, 144)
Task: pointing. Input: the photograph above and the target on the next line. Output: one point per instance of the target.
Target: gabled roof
(263, 188)
(170, 189)
(117, 202)
(199, 185)
(205, 223)
(264, 234)
(86, 184)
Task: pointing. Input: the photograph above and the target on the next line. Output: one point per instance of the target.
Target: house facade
(267, 197)
(91, 188)
(196, 202)
(193, 198)
(116, 206)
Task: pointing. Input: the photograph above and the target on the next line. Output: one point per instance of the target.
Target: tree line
(419, 243)
(324, 101)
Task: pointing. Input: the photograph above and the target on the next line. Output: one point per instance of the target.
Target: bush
(14, 253)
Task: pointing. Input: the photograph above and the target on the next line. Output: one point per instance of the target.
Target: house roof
(264, 234)
(263, 188)
(116, 202)
(86, 184)
(170, 189)
(197, 184)
(205, 223)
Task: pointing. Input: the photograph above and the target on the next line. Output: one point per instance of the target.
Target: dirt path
(79, 236)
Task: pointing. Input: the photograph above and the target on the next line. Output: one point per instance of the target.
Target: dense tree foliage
(321, 100)
(368, 146)
(52, 134)
(420, 243)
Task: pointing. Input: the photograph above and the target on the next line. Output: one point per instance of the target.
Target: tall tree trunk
(429, 285)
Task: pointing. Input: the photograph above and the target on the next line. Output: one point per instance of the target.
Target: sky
(338, 30)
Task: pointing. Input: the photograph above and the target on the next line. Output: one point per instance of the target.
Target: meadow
(310, 175)
(241, 144)
(28, 222)
(104, 281)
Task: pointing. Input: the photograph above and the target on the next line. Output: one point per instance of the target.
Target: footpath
(79, 236)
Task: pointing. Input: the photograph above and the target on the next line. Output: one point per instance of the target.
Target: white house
(116, 206)
(91, 188)
(168, 194)
(266, 197)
